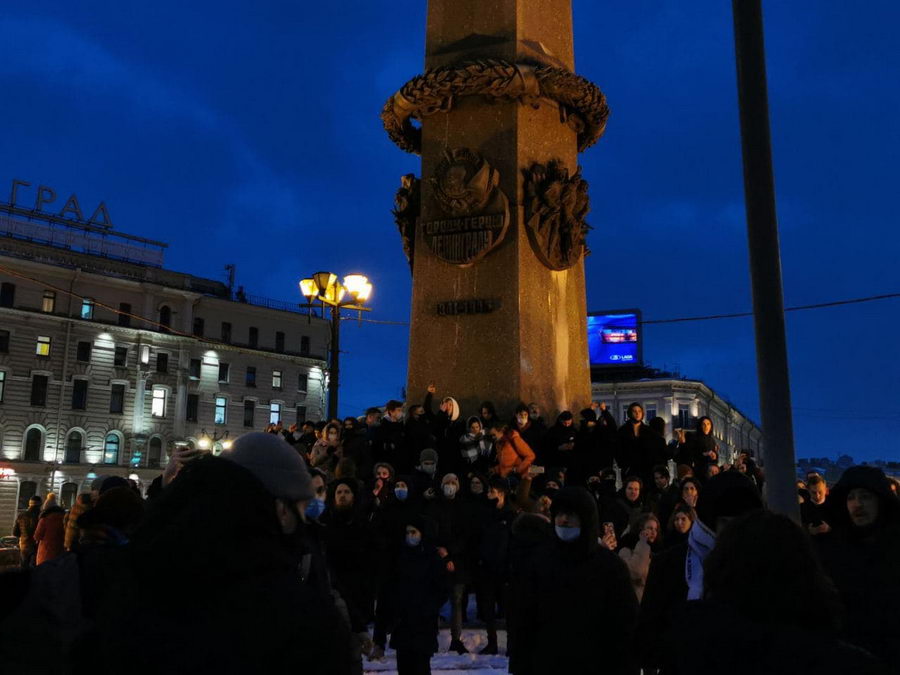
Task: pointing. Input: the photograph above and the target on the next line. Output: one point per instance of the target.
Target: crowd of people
(599, 547)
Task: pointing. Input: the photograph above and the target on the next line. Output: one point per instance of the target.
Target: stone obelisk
(495, 228)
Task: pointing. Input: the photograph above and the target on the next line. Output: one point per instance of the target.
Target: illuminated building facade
(107, 360)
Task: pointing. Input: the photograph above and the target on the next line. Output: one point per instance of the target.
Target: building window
(158, 407)
(165, 318)
(7, 294)
(87, 308)
(4, 341)
(39, 390)
(274, 413)
(42, 348)
(304, 345)
(224, 371)
(276, 379)
(34, 442)
(650, 413)
(198, 326)
(301, 414)
(249, 410)
(49, 303)
(124, 314)
(111, 448)
(117, 398)
(193, 406)
(2, 384)
(73, 447)
(27, 490)
(121, 357)
(302, 382)
(155, 455)
(83, 352)
(194, 369)
(684, 416)
(226, 332)
(68, 495)
(221, 415)
(79, 394)
(162, 362)
(279, 341)
(253, 337)
(145, 354)
(250, 380)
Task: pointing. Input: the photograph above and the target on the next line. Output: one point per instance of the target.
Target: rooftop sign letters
(71, 209)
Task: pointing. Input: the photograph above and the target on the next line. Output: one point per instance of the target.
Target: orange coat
(513, 454)
(50, 535)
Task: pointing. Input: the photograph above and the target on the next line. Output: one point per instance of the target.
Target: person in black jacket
(493, 557)
(352, 551)
(410, 600)
(531, 430)
(698, 449)
(573, 606)
(638, 447)
(862, 555)
(388, 444)
(453, 517)
(417, 436)
(446, 426)
(559, 442)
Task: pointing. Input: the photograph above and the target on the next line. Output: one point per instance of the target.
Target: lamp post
(351, 294)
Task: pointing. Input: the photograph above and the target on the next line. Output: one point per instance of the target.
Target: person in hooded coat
(476, 449)
(764, 589)
(410, 600)
(446, 426)
(352, 551)
(862, 555)
(572, 604)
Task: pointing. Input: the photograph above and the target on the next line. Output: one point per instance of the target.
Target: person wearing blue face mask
(410, 600)
(568, 592)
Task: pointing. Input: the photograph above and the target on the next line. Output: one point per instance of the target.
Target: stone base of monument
(444, 663)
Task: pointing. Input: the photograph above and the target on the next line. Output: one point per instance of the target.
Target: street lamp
(207, 442)
(350, 294)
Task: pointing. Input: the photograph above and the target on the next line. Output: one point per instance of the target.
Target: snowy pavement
(443, 663)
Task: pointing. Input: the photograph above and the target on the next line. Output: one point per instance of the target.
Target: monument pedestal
(496, 226)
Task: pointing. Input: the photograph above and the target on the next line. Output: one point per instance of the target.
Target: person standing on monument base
(638, 445)
(532, 431)
(559, 442)
(446, 425)
(388, 445)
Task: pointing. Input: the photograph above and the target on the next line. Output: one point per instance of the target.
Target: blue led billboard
(614, 338)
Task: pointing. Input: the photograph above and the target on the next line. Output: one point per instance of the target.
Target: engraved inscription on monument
(466, 191)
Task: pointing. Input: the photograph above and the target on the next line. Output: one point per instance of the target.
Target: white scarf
(700, 542)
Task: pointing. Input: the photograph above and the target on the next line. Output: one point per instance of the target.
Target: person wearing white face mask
(451, 514)
(570, 592)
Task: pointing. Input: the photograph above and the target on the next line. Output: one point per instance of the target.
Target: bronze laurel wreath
(582, 104)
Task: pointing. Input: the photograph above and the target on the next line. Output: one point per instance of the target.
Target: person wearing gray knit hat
(274, 463)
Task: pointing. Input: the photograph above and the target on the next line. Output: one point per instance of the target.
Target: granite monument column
(495, 228)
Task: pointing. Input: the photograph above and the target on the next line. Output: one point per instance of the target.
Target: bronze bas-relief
(581, 103)
(556, 205)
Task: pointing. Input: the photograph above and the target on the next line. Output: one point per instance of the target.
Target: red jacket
(50, 535)
(513, 454)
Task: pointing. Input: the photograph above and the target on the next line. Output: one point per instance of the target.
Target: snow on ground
(443, 663)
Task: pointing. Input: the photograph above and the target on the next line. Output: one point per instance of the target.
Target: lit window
(2, 384)
(49, 304)
(145, 354)
(276, 379)
(221, 410)
(87, 308)
(274, 413)
(158, 408)
(43, 345)
(111, 449)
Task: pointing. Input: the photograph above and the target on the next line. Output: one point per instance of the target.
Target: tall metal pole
(765, 259)
(334, 364)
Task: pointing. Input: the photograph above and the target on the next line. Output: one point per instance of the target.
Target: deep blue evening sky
(249, 133)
